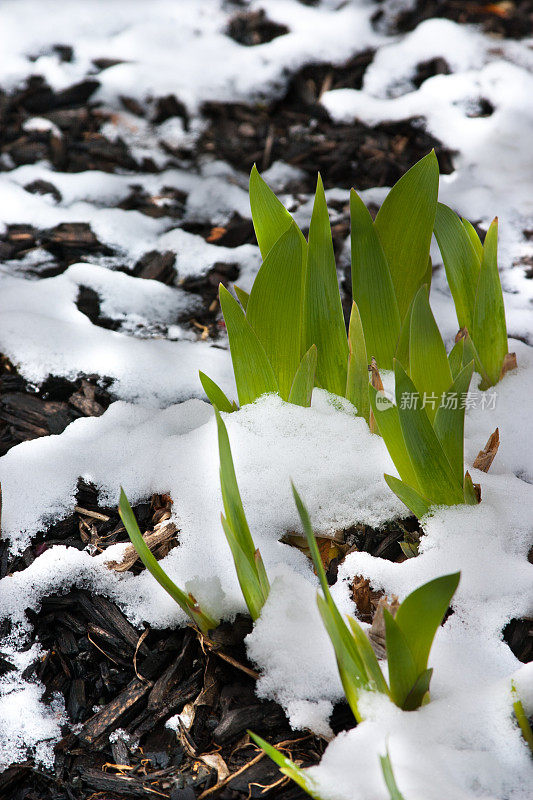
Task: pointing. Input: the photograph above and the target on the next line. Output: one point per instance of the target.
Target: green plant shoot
(409, 636)
(205, 622)
(474, 280)
(248, 562)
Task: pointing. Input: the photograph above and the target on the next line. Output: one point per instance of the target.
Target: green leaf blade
(323, 323)
(402, 668)
(404, 225)
(388, 421)
(489, 330)
(186, 602)
(414, 501)
(287, 766)
(388, 777)
(215, 394)
(269, 216)
(461, 262)
(254, 375)
(274, 308)
(450, 420)
(242, 296)
(435, 476)
(421, 613)
(429, 368)
(357, 375)
(304, 380)
(372, 286)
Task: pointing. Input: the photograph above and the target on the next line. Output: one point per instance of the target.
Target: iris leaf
(323, 318)
(404, 225)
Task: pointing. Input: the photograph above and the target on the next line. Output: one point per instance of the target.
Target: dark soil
(28, 412)
(512, 20)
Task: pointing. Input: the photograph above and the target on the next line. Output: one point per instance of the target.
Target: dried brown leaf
(509, 363)
(365, 598)
(376, 634)
(486, 456)
(163, 533)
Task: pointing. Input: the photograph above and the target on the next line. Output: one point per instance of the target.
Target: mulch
(121, 684)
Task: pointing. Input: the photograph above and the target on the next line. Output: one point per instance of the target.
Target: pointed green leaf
(402, 348)
(421, 613)
(372, 286)
(521, 717)
(471, 354)
(253, 373)
(287, 766)
(304, 380)
(248, 563)
(251, 587)
(311, 540)
(489, 331)
(231, 496)
(402, 668)
(455, 357)
(351, 668)
(420, 690)
(428, 363)
(474, 238)
(323, 318)
(388, 422)
(215, 394)
(275, 307)
(414, 501)
(270, 217)
(471, 496)
(186, 601)
(388, 777)
(351, 660)
(368, 657)
(460, 262)
(450, 419)
(261, 574)
(357, 375)
(242, 296)
(404, 225)
(436, 478)
(428, 277)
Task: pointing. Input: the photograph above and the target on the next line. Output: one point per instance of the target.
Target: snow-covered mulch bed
(159, 435)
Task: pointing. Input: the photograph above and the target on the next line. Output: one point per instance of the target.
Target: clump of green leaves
(288, 334)
(204, 621)
(474, 280)
(409, 636)
(424, 430)
(249, 565)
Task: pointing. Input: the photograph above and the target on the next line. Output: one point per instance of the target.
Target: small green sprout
(424, 430)
(205, 622)
(300, 776)
(521, 717)
(409, 636)
(388, 777)
(248, 562)
(287, 767)
(474, 280)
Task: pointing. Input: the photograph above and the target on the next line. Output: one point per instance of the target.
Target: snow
(160, 436)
